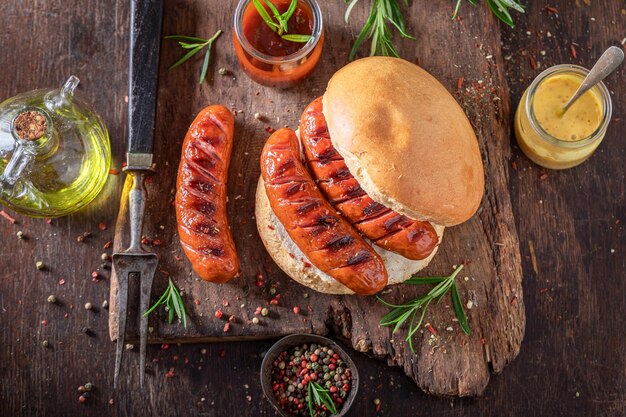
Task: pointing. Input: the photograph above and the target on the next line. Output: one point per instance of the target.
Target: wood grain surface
(570, 226)
(445, 363)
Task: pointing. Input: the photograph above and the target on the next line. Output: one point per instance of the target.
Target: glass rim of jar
(607, 107)
(316, 34)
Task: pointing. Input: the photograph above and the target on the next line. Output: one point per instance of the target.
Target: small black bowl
(296, 340)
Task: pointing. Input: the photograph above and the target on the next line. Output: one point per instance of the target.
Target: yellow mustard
(554, 139)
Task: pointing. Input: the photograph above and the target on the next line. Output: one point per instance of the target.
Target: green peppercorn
(52, 299)
(264, 311)
(39, 265)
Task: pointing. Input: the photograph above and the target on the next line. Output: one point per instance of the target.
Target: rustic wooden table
(570, 225)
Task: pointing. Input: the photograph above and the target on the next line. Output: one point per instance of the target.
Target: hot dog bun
(293, 261)
(409, 146)
(405, 139)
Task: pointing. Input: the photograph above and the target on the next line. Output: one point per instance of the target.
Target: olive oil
(54, 152)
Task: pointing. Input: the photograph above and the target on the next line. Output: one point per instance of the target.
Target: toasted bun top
(405, 139)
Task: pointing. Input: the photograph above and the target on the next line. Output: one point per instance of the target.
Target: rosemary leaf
(296, 38)
(311, 410)
(205, 65)
(424, 281)
(290, 11)
(186, 57)
(460, 312)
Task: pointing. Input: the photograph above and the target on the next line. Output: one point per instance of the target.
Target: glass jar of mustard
(554, 139)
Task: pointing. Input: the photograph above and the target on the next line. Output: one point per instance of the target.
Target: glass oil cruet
(54, 152)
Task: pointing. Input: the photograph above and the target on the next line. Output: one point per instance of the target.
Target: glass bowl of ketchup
(269, 59)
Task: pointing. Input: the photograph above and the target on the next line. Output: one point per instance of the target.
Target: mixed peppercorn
(295, 368)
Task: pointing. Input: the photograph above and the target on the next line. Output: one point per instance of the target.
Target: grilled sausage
(201, 195)
(328, 241)
(410, 238)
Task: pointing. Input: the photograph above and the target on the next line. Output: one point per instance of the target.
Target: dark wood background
(570, 224)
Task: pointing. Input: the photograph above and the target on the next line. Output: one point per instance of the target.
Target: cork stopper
(30, 125)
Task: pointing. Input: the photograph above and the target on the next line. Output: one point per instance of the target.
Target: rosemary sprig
(319, 396)
(280, 22)
(387, 14)
(173, 303)
(403, 312)
(500, 8)
(195, 45)
(384, 15)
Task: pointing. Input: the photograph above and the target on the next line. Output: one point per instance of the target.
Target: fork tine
(122, 312)
(146, 278)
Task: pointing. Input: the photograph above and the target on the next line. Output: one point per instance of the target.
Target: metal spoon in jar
(610, 59)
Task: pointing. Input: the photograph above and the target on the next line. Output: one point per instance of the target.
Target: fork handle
(137, 206)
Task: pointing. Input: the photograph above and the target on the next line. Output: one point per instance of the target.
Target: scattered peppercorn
(20, 234)
(88, 306)
(130, 346)
(264, 311)
(82, 399)
(45, 344)
(105, 257)
(255, 320)
(105, 304)
(88, 386)
(294, 368)
(39, 265)
(52, 299)
(223, 71)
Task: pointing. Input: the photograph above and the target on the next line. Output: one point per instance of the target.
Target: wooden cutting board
(465, 56)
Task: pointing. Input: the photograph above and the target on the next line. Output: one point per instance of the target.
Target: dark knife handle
(145, 44)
